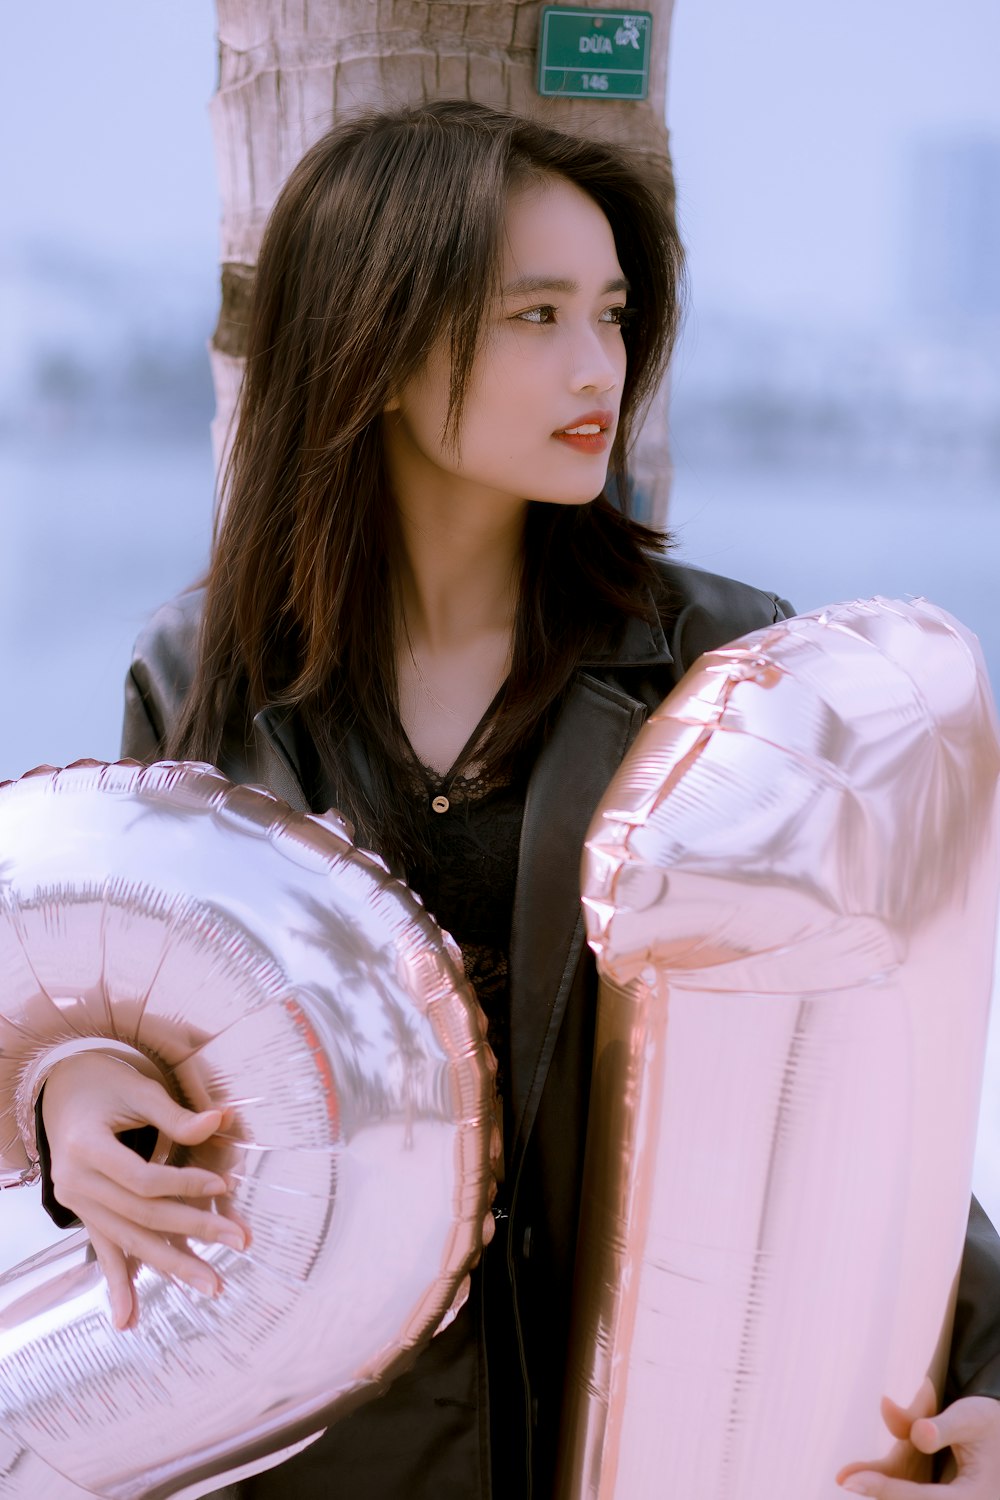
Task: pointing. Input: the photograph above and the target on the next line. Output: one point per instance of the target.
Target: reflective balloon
(791, 887)
(260, 960)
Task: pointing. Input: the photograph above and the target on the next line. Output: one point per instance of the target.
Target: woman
(423, 608)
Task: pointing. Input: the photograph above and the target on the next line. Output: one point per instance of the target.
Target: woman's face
(552, 358)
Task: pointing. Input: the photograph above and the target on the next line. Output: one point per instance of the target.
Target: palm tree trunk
(289, 68)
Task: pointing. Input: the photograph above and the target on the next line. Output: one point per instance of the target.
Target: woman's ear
(391, 405)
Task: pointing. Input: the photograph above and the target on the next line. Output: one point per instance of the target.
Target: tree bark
(288, 69)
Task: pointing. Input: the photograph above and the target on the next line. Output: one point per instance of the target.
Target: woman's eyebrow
(560, 284)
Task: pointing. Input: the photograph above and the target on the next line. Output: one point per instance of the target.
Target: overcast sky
(791, 122)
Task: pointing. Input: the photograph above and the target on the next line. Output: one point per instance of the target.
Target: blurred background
(836, 406)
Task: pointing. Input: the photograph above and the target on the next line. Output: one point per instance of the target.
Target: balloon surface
(791, 887)
(261, 961)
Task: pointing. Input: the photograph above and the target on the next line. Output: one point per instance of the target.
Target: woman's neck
(461, 553)
(460, 574)
(459, 597)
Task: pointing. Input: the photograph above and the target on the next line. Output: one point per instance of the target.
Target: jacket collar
(643, 644)
(275, 761)
(595, 727)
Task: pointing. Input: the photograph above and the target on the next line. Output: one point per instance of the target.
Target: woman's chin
(581, 490)
(567, 500)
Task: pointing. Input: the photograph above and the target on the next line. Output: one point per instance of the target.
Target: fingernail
(207, 1285)
(856, 1486)
(234, 1238)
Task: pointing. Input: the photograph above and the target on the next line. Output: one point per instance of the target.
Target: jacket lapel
(593, 730)
(277, 767)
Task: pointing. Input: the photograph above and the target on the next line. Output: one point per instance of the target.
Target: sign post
(594, 54)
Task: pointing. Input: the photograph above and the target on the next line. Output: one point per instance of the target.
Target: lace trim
(469, 785)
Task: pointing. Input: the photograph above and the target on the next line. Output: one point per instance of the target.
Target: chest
(445, 696)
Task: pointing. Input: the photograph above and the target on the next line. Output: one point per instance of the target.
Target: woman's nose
(594, 365)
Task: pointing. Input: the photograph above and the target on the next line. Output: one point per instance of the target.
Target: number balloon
(258, 959)
(791, 887)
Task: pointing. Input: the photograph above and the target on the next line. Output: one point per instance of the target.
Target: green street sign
(594, 54)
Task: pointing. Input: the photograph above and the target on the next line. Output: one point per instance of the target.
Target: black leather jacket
(429, 1438)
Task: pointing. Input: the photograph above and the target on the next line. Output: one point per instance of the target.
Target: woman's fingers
(98, 1169)
(102, 1153)
(899, 1419)
(156, 1250)
(134, 1211)
(166, 1215)
(91, 1090)
(118, 1275)
(149, 1103)
(153, 1179)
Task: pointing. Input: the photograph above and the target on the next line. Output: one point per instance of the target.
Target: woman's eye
(542, 316)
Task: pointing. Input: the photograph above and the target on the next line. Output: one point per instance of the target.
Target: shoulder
(163, 665)
(701, 611)
(166, 650)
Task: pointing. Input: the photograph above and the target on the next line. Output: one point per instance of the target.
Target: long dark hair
(386, 237)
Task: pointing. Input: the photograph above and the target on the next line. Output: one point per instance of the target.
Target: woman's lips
(590, 440)
(585, 442)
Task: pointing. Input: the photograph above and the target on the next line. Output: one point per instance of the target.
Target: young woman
(427, 607)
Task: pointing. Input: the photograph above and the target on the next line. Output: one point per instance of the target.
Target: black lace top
(467, 882)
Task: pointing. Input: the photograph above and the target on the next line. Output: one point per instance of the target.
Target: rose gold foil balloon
(259, 959)
(791, 886)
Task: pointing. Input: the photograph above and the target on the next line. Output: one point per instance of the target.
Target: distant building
(909, 400)
(951, 229)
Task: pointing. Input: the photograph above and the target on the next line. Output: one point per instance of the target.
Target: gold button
(440, 804)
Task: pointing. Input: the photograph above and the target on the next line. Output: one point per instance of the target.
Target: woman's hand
(134, 1211)
(970, 1427)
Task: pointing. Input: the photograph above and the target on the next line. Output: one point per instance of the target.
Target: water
(818, 539)
(95, 536)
